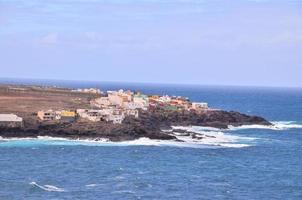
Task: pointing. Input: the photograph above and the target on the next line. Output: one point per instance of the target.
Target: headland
(32, 111)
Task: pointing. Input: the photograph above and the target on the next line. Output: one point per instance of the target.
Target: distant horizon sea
(249, 162)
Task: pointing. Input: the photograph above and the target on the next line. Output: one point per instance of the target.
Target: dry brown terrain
(27, 100)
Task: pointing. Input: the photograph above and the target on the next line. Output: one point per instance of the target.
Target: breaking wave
(213, 137)
(48, 188)
(277, 125)
(220, 140)
(91, 185)
(204, 137)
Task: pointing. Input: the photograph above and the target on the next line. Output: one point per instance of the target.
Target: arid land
(26, 101)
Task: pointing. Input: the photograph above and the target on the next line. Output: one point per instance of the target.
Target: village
(110, 106)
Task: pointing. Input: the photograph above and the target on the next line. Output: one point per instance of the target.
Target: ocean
(249, 162)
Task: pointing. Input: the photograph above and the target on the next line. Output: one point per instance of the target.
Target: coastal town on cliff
(32, 111)
(113, 107)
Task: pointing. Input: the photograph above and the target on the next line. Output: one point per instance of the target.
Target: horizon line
(132, 82)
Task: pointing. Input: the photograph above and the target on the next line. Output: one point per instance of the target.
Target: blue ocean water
(269, 166)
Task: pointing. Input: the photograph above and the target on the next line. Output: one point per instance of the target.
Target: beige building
(102, 102)
(48, 115)
(141, 100)
(120, 97)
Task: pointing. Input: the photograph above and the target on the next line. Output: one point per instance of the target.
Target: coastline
(207, 137)
(27, 100)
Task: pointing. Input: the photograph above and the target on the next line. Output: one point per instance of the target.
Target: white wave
(235, 145)
(48, 188)
(205, 137)
(243, 127)
(188, 142)
(277, 125)
(16, 138)
(283, 125)
(51, 138)
(212, 137)
(199, 128)
(91, 185)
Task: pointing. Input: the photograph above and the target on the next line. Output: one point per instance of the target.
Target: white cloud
(49, 39)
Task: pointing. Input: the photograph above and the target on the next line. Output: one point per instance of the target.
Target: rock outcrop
(150, 125)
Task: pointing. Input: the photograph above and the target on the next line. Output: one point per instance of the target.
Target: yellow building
(66, 113)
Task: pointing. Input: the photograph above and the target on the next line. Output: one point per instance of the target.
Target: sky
(206, 42)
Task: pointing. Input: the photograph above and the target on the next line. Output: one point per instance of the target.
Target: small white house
(92, 115)
(116, 119)
(10, 120)
(200, 106)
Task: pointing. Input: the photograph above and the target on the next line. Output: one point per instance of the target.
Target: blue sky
(231, 42)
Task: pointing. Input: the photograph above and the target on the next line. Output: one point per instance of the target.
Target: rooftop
(10, 118)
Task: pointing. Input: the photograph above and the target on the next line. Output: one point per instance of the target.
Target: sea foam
(277, 125)
(48, 188)
(187, 142)
(205, 137)
(213, 137)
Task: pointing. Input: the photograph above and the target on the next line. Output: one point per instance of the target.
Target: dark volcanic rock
(148, 125)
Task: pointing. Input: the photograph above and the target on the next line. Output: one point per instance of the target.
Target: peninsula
(32, 111)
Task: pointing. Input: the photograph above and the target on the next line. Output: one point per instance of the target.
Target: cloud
(49, 39)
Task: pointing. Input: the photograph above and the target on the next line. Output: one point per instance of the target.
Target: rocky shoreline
(25, 101)
(150, 125)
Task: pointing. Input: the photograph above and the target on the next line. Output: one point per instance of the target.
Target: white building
(111, 115)
(89, 90)
(92, 115)
(116, 119)
(165, 99)
(10, 120)
(133, 105)
(200, 106)
(132, 112)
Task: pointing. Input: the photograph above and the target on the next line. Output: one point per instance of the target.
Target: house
(199, 106)
(115, 98)
(48, 115)
(10, 120)
(102, 102)
(120, 97)
(110, 115)
(89, 90)
(131, 112)
(116, 119)
(164, 99)
(92, 115)
(133, 106)
(141, 100)
(67, 116)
